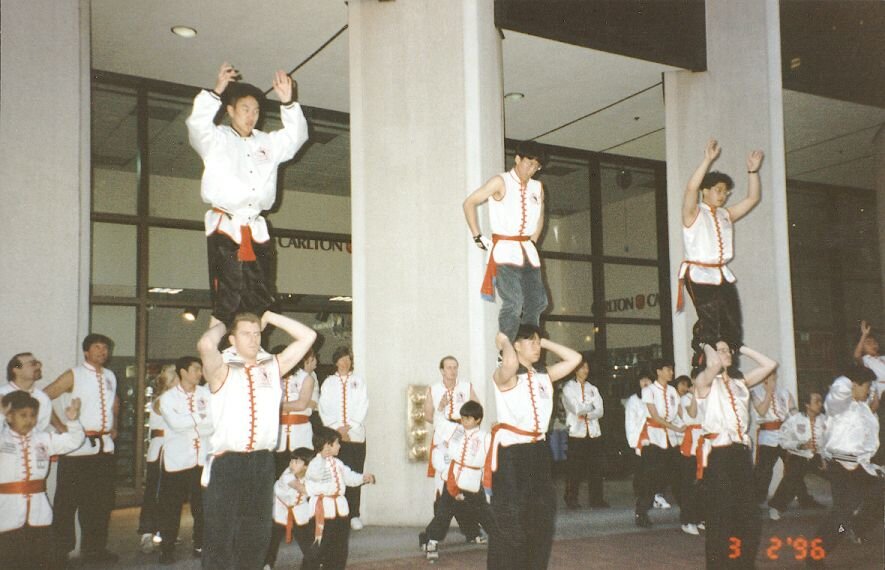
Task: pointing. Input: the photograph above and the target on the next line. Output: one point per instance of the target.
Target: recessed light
(514, 96)
(184, 31)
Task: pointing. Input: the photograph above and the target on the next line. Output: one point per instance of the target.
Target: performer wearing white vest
(516, 214)
(801, 436)
(851, 439)
(291, 509)
(518, 465)
(186, 410)
(658, 438)
(709, 245)
(23, 371)
(245, 412)
(25, 512)
(240, 181)
(586, 454)
(344, 402)
(301, 396)
(731, 513)
(86, 475)
(772, 406)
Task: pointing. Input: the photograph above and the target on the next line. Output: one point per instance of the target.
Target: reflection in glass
(113, 260)
(631, 291)
(570, 284)
(629, 219)
(566, 206)
(114, 150)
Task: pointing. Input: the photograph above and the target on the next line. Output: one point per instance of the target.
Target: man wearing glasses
(22, 372)
(708, 237)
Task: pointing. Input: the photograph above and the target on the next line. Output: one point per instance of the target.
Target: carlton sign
(636, 303)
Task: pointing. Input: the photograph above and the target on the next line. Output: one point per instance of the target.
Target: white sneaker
(356, 523)
(267, 567)
(660, 502)
(690, 529)
(774, 514)
(701, 526)
(432, 552)
(147, 543)
(157, 538)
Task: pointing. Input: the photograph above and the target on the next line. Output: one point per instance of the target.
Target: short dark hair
(471, 409)
(683, 379)
(532, 150)
(237, 90)
(310, 352)
(659, 364)
(860, 374)
(341, 351)
(95, 338)
(19, 400)
(323, 436)
(15, 362)
(715, 177)
(184, 363)
(527, 331)
(305, 454)
(805, 400)
(447, 357)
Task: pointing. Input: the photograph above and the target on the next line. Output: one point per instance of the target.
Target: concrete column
(879, 161)
(426, 129)
(44, 169)
(738, 100)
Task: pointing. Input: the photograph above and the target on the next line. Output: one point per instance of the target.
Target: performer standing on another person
(240, 181)
(708, 238)
(245, 411)
(586, 454)
(518, 466)
(516, 214)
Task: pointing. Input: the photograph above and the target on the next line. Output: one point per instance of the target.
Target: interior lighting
(514, 96)
(190, 315)
(184, 31)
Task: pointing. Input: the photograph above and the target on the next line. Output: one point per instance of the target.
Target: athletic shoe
(642, 520)
(660, 502)
(198, 551)
(701, 525)
(481, 539)
(422, 541)
(356, 523)
(157, 538)
(147, 543)
(690, 529)
(774, 514)
(267, 567)
(432, 552)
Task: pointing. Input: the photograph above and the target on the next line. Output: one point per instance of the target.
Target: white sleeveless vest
(516, 214)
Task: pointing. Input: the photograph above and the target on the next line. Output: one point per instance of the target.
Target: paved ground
(585, 539)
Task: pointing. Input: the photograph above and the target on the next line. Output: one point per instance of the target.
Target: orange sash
(157, 433)
(680, 300)
(643, 435)
(492, 455)
(767, 426)
(30, 487)
(688, 438)
(294, 419)
(488, 286)
(245, 253)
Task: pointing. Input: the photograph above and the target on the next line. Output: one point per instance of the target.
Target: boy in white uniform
(245, 411)
(291, 509)
(185, 408)
(584, 408)
(23, 371)
(772, 406)
(326, 478)
(518, 466)
(464, 457)
(516, 214)
(25, 512)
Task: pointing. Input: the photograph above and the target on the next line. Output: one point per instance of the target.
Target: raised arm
(214, 368)
(540, 229)
(754, 188)
(762, 404)
(690, 199)
(303, 336)
(705, 377)
(305, 396)
(294, 133)
(200, 126)
(761, 372)
(505, 375)
(493, 188)
(569, 360)
(858, 350)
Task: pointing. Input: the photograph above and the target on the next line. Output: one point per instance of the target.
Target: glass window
(114, 260)
(630, 348)
(812, 303)
(114, 150)
(178, 259)
(631, 291)
(171, 336)
(570, 284)
(629, 213)
(566, 206)
(579, 336)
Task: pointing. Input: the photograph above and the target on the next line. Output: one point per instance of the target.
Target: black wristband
(477, 237)
(752, 172)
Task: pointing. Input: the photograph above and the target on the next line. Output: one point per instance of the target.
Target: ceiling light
(184, 31)
(190, 315)
(795, 63)
(340, 298)
(514, 96)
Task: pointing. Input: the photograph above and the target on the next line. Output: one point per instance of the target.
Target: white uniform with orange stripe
(665, 399)
(779, 410)
(726, 414)
(709, 240)
(583, 408)
(516, 214)
(96, 391)
(24, 465)
(189, 427)
(443, 424)
(344, 400)
(157, 427)
(44, 414)
(288, 499)
(635, 415)
(526, 407)
(295, 428)
(327, 478)
(467, 455)
(800, 429)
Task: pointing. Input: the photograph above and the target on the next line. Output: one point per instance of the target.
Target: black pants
(239, 286)
(332, 551)
(474, 506)
(524, 507)
(237, 511)
(281, 462)
(466, 519)
(766, 458)
(353, 454)
(86, 488)
(179, 487)
(851, 490)
(303, 535)
(719, 314)
(792, 486)
(149, 518)
(26, 548)
(585, 462)
(731, 514)
(657, 466)
(690, 490)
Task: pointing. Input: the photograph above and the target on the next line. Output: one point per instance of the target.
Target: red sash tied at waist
(30, 487)
(764, 426)
(245, 253)
(688, 438)
(699, 454)
(451, 482)
(488, 283)
(492, 455)
(157, 433)
(650, 422)
(680, 299)
(319, 519)
(294, 419)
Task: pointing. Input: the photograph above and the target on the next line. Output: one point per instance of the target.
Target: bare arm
(762, 405)
(705, 377)
(537, 235)
(505, 375)
(304, 397)
(569, 360)
(303, 336)
(214, 368)
(62, 384)
(864, 333)
(653, 413)
(760, 373)
(494, 187)
(690, 199)
(754, 188)
(428, 406)
(692, 409)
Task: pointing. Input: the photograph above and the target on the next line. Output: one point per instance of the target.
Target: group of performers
(215, 445)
